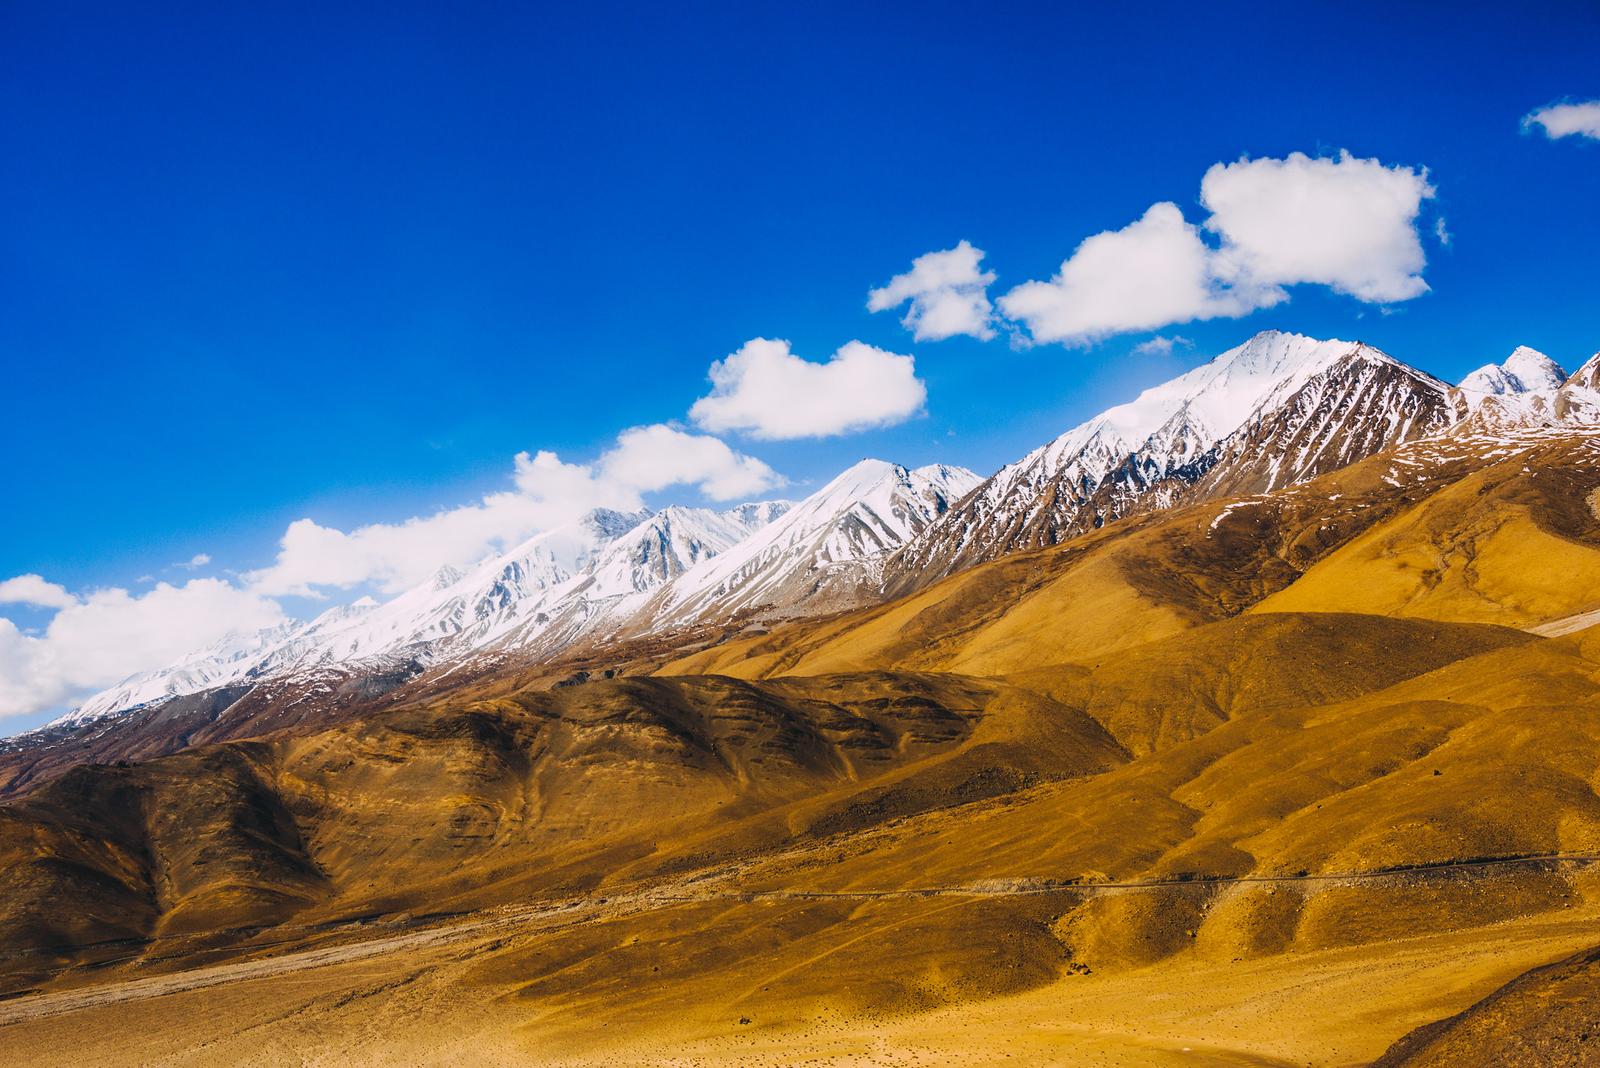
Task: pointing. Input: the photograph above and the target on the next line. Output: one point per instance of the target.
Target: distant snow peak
(1524, 371)
(757, 514)
(445, 577)
(1528, 390)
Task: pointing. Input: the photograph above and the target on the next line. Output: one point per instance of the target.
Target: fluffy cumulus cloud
(34, 590)
(946, 294)
(548, 491)
(654, 457)
(766, 391)
(1348, 224)
(103, 638)
(1155, 271)
(1566, 120)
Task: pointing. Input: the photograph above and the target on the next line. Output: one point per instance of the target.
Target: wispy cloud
(1161, 346)
(1566, 120)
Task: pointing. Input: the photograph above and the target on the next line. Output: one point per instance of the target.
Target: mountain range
(1252, 722)
(1278, 410)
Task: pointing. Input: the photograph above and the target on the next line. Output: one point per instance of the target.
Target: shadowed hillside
(1548, 1017)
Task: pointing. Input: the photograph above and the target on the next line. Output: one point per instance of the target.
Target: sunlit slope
(1517, 543)
(1132, 583)
(1499, 531)
(1333, 1008)
(1156, 695)
(749, 984)
(989, 620)
(1488, 757)
(1284, 744)
(555, 792)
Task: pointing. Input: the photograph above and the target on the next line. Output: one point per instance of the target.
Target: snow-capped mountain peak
(1038, 499)
(1528, 389)
(827, 549)
(1524, 371)
(1216, 397)
(671, 542)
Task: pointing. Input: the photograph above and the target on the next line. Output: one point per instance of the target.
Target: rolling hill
(1319, 718)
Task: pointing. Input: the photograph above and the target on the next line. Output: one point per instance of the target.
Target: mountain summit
(827, 552)
(1277, 409)
(1524, 371)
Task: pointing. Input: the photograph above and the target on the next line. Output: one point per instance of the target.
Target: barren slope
(1114, 799)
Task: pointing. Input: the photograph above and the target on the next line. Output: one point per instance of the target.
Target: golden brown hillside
(1546, 1018)
(1500, 530)
(1134, 800)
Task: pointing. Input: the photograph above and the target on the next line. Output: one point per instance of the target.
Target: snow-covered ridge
(1033, 501)
(607, 574)
(1530, 389)
(1175, 421)
(1277, 410)
(605, 554)
(838, 536)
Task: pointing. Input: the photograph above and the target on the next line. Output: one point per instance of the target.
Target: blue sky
(264, 266)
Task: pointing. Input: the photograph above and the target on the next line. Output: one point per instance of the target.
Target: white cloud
(947, 292)
(111, 634)
(1161, 346)
(1152, 272)
(766, 391)
(1566, 120)
(655, 457)
(548, 492)
(196, 561)
(1441, 231)
(392, 556)
(1346, 223)
(34, 590)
